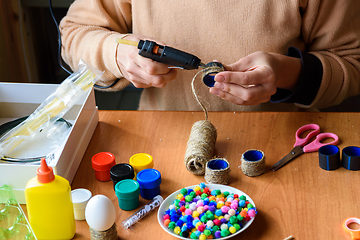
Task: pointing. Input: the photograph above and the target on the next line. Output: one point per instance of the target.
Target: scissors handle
(302, 141)
(316, 144)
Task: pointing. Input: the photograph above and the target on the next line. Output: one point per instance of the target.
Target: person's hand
(140, 71)
(253, 79)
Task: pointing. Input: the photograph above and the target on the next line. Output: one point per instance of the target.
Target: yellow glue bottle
(49, 206)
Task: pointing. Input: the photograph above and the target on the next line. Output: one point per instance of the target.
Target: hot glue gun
(165, 54)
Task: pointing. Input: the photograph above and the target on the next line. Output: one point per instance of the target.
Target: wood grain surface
(300, 199)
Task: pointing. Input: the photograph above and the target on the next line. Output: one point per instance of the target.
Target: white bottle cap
(80, 198)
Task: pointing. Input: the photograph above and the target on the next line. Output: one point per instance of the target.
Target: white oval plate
(169, 200)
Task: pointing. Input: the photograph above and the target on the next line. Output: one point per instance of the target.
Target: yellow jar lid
(141, 161)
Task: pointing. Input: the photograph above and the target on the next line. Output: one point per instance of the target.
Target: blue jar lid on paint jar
(149, 181)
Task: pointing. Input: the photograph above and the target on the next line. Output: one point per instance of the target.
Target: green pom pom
(240, 218)
(225, 233)
(237, 226)
(171, 225)
(188, 198)
(184, 191)
(193, 236)
(204, 218)
(233, 219)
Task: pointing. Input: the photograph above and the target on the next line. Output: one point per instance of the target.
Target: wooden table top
(300, 199)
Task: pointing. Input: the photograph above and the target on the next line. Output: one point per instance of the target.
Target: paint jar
(141, 161)
(80, 197)
(127, 192)
(102, 162)
(149, 181)
(120, 172)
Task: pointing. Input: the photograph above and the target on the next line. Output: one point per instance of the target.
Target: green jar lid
(127, 188)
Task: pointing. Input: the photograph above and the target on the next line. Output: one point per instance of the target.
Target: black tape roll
(329, 157)
(351, 158)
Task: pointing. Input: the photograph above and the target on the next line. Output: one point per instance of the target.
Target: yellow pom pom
(177, 230)
(195, 214)
(219, 204)
(232, 229)
(179, 196)
(202, 237)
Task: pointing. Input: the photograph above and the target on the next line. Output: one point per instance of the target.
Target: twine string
(201, 143)
(196, 96)
(110, 234)
(212, 68)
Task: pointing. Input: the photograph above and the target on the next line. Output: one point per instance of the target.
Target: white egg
(100, 213)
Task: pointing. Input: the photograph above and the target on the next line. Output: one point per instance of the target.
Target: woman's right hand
(140, 71)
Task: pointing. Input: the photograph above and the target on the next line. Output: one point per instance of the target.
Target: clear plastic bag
(53, 108)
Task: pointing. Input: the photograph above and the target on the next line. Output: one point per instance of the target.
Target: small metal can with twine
(217, 171)
(253, 162)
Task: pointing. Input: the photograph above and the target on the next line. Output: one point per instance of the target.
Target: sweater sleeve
(331, 32)
(308, 83)
(89, 32)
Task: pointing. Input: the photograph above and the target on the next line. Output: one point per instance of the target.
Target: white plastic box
(18, 100)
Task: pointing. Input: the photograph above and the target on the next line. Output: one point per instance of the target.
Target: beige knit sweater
(224, 30)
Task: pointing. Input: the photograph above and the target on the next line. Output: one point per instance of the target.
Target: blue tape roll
(351, 158)
(329, 157)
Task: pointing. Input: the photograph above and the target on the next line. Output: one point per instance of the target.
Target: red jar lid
(103, 161)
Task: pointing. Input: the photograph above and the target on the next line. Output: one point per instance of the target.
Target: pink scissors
(302, 145)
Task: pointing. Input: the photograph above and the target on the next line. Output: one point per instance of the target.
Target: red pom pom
(217, 222)
(201, 227)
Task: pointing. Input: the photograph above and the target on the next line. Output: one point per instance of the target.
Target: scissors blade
(295, 152)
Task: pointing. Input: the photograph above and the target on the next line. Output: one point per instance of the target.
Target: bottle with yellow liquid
(49, 206)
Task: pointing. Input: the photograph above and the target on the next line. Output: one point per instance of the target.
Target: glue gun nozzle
(202, 65)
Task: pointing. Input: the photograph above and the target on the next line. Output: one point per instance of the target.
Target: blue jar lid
(149, 178)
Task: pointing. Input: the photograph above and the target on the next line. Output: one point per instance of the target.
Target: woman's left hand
(254, 79)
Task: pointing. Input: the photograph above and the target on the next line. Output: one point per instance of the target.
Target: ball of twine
(253, 162)
(110, 234)
(200, 147)
(217, 171)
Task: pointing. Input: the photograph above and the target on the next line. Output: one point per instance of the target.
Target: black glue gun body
(168, 55)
